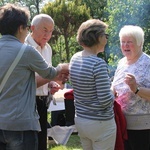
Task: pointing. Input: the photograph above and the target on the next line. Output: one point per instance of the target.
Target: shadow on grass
(72, 144)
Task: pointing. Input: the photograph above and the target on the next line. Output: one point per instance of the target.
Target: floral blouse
(130, 103)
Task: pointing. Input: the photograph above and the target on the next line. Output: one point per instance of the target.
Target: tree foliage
(34, 6)
(127, 12)
(67, 16)
(96, 8)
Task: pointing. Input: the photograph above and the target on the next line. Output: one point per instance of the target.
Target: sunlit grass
(72, 144)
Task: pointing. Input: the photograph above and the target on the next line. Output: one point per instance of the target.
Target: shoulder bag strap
(11, 68)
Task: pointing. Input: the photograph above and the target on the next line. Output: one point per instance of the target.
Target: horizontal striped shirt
(91, 84)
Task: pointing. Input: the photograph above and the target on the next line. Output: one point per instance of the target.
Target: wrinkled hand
(63, 72)
(131, 82)
(54, 87)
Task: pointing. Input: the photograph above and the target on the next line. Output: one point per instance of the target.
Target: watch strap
(137, 90)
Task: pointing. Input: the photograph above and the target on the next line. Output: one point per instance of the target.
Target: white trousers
(96, 135)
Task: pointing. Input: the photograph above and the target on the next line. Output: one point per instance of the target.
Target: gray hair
(135, 31)
(38, 18)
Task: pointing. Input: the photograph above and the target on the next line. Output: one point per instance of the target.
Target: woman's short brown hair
(89, 32)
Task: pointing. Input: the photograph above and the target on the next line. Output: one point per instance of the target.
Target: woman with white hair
(131, 86)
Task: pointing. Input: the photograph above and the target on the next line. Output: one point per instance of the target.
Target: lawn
(72, 144)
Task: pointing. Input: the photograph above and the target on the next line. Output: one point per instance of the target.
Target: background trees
(69, 14)
(33, 5)
(96, 7)
(124, 12)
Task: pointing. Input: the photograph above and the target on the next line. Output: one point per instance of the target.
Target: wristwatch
(137, 90)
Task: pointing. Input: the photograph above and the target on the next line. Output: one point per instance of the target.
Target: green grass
(72, 144)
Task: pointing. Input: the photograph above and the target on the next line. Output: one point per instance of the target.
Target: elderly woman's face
(129, 46)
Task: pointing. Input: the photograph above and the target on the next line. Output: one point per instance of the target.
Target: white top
(46, 52)
(135, 108)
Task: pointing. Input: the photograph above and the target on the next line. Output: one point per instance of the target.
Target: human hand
(131, 82)
(54, 87)
(63, 72)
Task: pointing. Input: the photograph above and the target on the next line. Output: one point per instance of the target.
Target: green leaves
(67, 16)
(123, 12)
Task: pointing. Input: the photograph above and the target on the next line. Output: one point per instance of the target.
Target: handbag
(13, 65)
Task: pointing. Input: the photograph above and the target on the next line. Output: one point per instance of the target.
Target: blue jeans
(18, 140)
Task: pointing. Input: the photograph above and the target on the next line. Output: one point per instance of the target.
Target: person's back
(14, 98)
(92, 95)
(90, 100)
(19, 120)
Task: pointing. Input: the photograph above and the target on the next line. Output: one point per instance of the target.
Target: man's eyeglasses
(107, 35)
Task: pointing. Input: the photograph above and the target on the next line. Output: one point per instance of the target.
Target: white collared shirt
(46, 52)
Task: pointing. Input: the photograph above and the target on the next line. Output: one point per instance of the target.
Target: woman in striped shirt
(93, 98)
